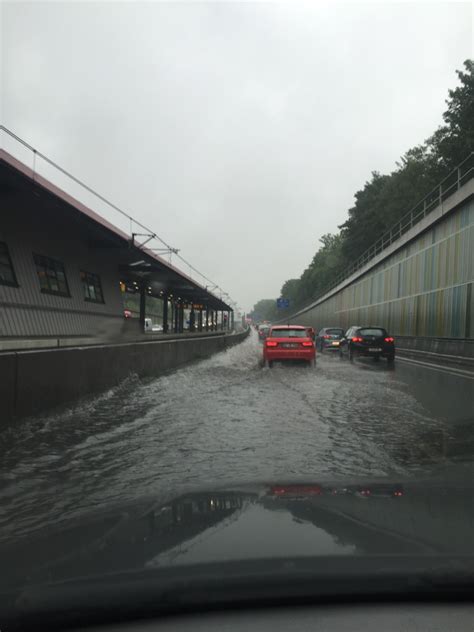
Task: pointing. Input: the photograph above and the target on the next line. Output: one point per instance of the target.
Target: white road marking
(436, 367)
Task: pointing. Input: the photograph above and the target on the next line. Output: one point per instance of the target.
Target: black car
(370, 341)
(329, 338)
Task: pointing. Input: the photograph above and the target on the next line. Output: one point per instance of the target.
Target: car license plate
(335, 344)
(375, 349)
(289, 345)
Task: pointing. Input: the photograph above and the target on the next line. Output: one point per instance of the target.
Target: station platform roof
(137, 264)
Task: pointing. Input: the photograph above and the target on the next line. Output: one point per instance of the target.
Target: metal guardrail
(449, 185)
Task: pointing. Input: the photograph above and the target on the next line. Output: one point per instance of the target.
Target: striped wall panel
(424, 289)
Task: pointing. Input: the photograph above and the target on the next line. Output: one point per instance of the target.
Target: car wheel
(376, 358)
(312, 363)
(390, 359)
(268, 364)
(341, 355)
(351, 355)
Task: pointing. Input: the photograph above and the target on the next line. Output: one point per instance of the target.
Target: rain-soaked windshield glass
(175, 180)
(373, 331)
(289, 333)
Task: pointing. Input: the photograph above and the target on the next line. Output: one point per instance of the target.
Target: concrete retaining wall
(35, 380)
(448, 351)
(421, 288)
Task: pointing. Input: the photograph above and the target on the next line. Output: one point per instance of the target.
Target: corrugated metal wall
(33, 224)
(425, 289)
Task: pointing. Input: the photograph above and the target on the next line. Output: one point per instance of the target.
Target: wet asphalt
(228, 419)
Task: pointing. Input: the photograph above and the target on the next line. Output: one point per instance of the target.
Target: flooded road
(227, 419)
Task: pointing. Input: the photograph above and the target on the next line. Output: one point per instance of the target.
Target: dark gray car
(328, 339)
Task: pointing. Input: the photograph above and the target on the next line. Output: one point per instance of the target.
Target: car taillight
(307, 343)
(271, 343)
(389, 339)
(326, 337)
(297, 490)
(357, 339)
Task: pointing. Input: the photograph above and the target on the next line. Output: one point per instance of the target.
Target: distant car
(157, 328)
(369, 341)
(329, 338)
(263, 331)
(288, 342)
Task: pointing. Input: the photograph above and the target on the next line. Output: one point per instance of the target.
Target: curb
(446, 367)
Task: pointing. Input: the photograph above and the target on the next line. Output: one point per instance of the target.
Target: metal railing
(141, 236)
(449, 185)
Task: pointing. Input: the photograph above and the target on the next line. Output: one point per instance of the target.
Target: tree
(265, 309)
(365, 221)
(326, 264)
(454, 141)
(290, 290)
(384, 199)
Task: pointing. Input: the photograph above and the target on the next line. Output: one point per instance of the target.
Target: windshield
(289, 333)
(374, 331)
(197, 200)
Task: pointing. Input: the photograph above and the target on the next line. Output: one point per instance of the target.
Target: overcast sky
(237, 131)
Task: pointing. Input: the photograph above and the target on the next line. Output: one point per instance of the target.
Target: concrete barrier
(420, 288)
(36, 380)
(452, 352)
(48, 342)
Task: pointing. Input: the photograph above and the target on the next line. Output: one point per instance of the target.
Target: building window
(7, 273)
(92, 287)
(51, 275)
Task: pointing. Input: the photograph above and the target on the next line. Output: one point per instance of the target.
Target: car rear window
(335, 332)
(289, 333)
(375, 331)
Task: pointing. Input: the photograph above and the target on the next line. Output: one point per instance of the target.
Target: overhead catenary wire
(152, 233)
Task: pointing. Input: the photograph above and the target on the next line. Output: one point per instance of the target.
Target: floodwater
(227, 419)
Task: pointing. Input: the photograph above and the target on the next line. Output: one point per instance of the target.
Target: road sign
(283, 303)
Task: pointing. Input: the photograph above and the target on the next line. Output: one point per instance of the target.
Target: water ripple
(221, 419)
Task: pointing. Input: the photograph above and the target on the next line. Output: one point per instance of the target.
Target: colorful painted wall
(424, 289)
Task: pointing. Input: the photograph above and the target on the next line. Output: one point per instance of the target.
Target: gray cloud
(239, 132)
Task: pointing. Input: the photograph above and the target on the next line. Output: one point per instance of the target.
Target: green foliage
(327, 263)
(384, 199)
(453, 141)
(265, 309)
(290, 290)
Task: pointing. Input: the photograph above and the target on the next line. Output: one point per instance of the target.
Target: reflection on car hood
(252, 522)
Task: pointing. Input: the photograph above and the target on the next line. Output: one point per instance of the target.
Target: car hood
(252, 543)
(252, 522)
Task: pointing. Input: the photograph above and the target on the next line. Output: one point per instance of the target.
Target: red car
(288, 342)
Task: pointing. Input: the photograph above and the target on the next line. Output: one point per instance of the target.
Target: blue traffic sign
(283, 303)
